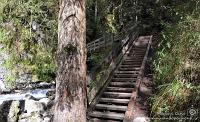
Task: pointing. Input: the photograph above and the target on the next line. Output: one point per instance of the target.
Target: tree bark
(71, 97)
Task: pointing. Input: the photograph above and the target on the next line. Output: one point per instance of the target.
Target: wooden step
(136, 51)
(103, 120)
(136, 54)
(122, 84)
(117, 95)
(131, 63)
(125, 75)
(107, 115)
(110, 100)
(131, 66)
(133, 57)
(124, 79)
(138, 48)
(126, 72)
(129, 69)
(140, 60)
(111, 107)
(119, 89)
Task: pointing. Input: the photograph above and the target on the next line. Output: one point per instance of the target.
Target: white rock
(33, 117)
(45, 101)
(46, 119)
(2, 85)
(13, 112)
(141, 119)
(31, 105)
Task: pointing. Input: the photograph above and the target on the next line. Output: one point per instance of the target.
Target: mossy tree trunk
(71, 101)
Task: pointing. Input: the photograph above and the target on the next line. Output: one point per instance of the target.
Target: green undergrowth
(177, 63)
(29, 36)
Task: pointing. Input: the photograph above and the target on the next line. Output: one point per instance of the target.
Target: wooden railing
(132, 103)
(99, 43)
(112, 61)
(108, 39)
(94, 45)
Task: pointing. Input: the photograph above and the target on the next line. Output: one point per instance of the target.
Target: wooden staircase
(114, 99)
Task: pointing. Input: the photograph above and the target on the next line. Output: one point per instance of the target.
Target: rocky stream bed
(27, 103)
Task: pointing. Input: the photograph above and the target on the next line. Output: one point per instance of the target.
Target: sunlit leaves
(176, 63)
(25, 42)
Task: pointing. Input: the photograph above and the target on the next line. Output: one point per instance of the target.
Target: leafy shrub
(29, 36)
(176, 63)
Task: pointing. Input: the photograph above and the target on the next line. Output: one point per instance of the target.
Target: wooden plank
(129, 69)
(124, 79)
(132, 63)
(127, 66)
(110, 100)
(119, 89)
(125, 75)
(107, 115)
(103, 120)
(127, 72)
(111, 107)
(117, 95)
(122, 84)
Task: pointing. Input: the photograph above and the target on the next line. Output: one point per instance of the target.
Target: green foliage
(111, 16)
(29, 35)
(176, 63)
(94, 83)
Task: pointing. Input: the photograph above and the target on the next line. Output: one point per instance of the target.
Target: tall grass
(177, 63)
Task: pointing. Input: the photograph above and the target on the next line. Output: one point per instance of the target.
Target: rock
(4, 110)
(13, 112)
(30, 117)
(45, 101)
(51, 94)
(46, 119)
(1, 109)
(24, 78)
(31, 105)
(141, 119)
(3, 71)
(2, 86)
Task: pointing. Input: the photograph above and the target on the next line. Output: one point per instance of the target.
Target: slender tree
(71, 101)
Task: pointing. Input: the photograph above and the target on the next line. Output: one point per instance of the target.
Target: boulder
(14, 111)
(1, 110)
(2, 86)
(30, 117)
(45, 101)
(4, 110)
(47, 119)
(32, 105)
(141, 119)
(51, 94)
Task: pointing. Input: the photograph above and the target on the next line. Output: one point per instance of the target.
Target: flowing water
(38, 93)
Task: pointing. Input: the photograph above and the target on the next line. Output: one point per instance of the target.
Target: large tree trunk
(71, 101)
